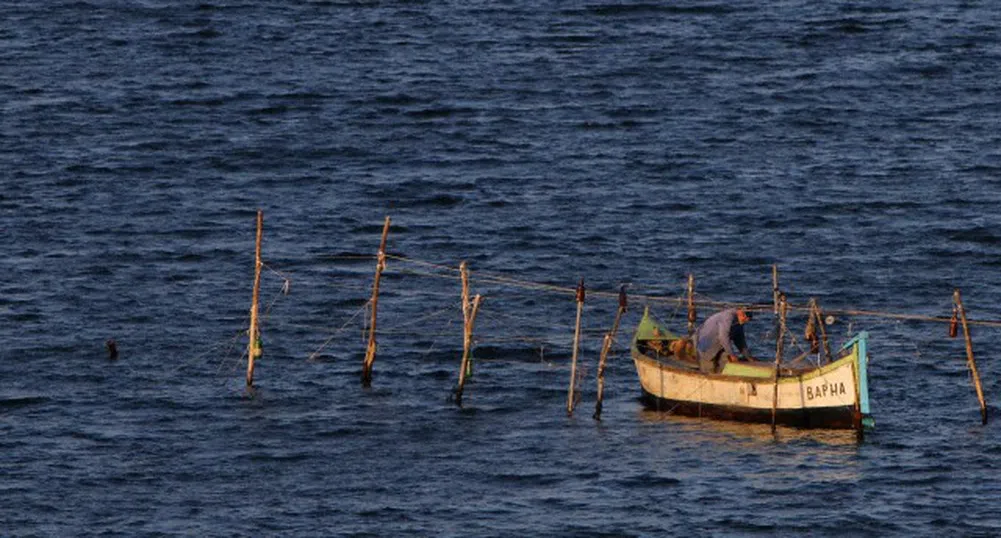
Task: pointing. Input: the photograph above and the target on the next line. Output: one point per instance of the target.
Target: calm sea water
(856, 145)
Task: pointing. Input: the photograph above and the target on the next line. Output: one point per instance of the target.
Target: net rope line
(362, 308)
(481, 276)
(677, 302)
(438, 337)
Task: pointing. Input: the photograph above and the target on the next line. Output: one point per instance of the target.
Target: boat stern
(859, 348)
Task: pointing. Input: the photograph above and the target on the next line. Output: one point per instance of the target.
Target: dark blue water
(856, 145)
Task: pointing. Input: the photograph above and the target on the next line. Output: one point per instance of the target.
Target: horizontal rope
(481, 277)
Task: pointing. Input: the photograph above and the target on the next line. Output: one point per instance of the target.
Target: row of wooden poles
(815, 322)
(470, 308)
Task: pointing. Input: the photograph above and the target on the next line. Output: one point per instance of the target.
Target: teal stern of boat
(861, 340)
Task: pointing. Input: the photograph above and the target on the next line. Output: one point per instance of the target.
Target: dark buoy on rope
(112, 349)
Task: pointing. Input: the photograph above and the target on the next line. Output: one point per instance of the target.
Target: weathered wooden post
(775, 299)
(366, 374)
(783, 310)
(969, 355)
(606, 345)
(466, 307)
(821, 323)
(254, 350)
(576, 346)
(810, 333)
(775, 289)
(691, 305)
(467, 345)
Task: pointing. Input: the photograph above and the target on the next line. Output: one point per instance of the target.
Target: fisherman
(720, 339)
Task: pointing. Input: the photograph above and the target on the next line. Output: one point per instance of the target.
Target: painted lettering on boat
(825, 389)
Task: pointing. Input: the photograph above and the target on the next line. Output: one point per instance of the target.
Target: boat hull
(843, 417)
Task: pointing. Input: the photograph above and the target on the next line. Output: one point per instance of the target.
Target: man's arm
(726, 338)
(740, 341)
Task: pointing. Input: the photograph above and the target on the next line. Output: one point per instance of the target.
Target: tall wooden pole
(823, 331)
(810, 333)
(366, 374)
(576, 346)
(969, 355)
(783, 310)
(606, 345)
(254, 345)
(467, 345)
(775, 299)
(775, 289)
(691, 304)
(464, 275)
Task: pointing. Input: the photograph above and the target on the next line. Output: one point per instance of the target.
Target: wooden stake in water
(775, 298)
(366, 374)
(606, 346)
(775, 289)
(467, 346)
(810, 333)
(466, 307)
(254, 345)
(821, 323)
(576, 346)
(783, 310)
(691, 305)
(969, 355)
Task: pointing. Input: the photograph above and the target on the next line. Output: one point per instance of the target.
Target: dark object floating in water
(112, 349)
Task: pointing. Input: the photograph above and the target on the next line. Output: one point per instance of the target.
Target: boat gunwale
(785, 377)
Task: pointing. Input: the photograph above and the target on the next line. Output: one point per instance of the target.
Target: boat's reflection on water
(788, 458)
(722, 430)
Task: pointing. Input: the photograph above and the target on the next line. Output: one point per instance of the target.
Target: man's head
(743, 316)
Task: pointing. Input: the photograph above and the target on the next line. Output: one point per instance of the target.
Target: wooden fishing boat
(833, 395)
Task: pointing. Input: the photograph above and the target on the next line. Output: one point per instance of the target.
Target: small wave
(280, 457)
(203, 33)
(396, 99)
(23, 401)
(611, 10)
(851, 26)
(978, 235)
(528, 479)
(647, 481)
(207, 102)
(438, 112)
(440, 200)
